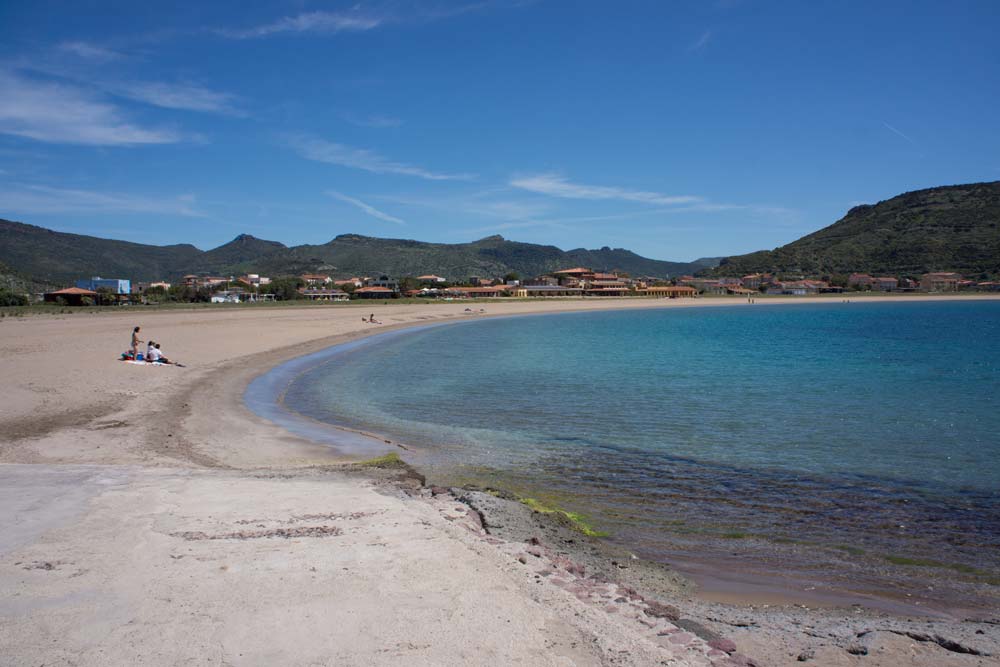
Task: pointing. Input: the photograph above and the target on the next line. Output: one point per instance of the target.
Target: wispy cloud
(184, 96)
(374, 120)
(556, 185)
(367, 208)
(701, 42)
(309, 22)
(62, 113)
(89, 51)
(898, 133)
(45, 199)
(320, 150)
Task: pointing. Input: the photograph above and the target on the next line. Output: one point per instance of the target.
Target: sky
(674, 129)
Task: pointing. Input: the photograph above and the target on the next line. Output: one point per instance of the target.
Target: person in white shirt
(153, 354)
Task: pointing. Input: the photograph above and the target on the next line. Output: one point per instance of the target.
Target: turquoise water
(834, 421)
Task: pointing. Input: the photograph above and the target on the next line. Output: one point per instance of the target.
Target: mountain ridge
(946, 228)
(60, 257)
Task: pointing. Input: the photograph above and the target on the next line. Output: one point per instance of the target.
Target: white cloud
(555, 185)
(375, 120)
(317, 22)
(367, 208)
(90, 51)
(189, 97)
(321, 150)
(46, 199)
(61, 113)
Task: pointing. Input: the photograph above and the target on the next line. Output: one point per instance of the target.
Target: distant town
(571, 282)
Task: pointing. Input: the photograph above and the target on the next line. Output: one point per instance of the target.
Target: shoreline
(704, 559)
(171, 424)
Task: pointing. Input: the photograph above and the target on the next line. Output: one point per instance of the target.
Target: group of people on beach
(152, 355)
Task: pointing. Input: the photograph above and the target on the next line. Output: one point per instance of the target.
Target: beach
(150, 517)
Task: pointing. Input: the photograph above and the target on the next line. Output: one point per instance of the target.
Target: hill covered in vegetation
(59, 257)
(950, 228)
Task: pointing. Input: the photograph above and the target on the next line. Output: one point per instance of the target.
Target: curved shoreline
(726, 580)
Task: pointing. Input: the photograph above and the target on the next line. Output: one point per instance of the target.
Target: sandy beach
(149, 517)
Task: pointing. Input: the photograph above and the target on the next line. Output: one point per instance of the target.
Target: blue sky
(675, 129)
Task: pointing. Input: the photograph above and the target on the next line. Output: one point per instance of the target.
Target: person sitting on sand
(149, 348)
(155, 356)
(135, 342)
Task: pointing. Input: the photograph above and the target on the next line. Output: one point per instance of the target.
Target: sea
(867, 425)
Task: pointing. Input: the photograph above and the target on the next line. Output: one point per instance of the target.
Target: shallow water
(867, 424)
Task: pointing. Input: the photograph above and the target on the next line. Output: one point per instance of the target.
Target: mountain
(58, 257)
(492, 256)
(950, 228)
(241, 253)
(62, 258)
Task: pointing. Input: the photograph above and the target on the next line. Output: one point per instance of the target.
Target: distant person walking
(135, 342)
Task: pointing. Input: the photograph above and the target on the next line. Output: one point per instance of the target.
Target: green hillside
(58, 257)
(951, 228)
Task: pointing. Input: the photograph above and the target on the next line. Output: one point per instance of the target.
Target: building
(478, 292)
(751, 281)
(315, 294)
(431, 279)
(316, 279)
(886, 284)
(382, 281)
(669, 292)
(375, 292)
(115, 285)
(940, 282)
(72, 296)
(861, 281)
(254, 280)
(547, 290)
(357, 282)
(197, 282)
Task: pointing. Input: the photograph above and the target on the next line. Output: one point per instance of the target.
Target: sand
(148, 517)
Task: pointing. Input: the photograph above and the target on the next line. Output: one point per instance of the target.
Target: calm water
(876, 425)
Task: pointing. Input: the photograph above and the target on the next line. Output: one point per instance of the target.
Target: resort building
(752, 281)
(316, 279)
(940, 282)
(357, 282)
(669, 292)
(431, 279)
(478, 292)
(375, 292)
(547, 290)
(319, 294)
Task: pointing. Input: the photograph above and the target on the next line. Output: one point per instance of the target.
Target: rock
(660, 610)
(857, 649)
(522, 559)
(808, 654)
(535, 551)
(438, 490)
(727, 645)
